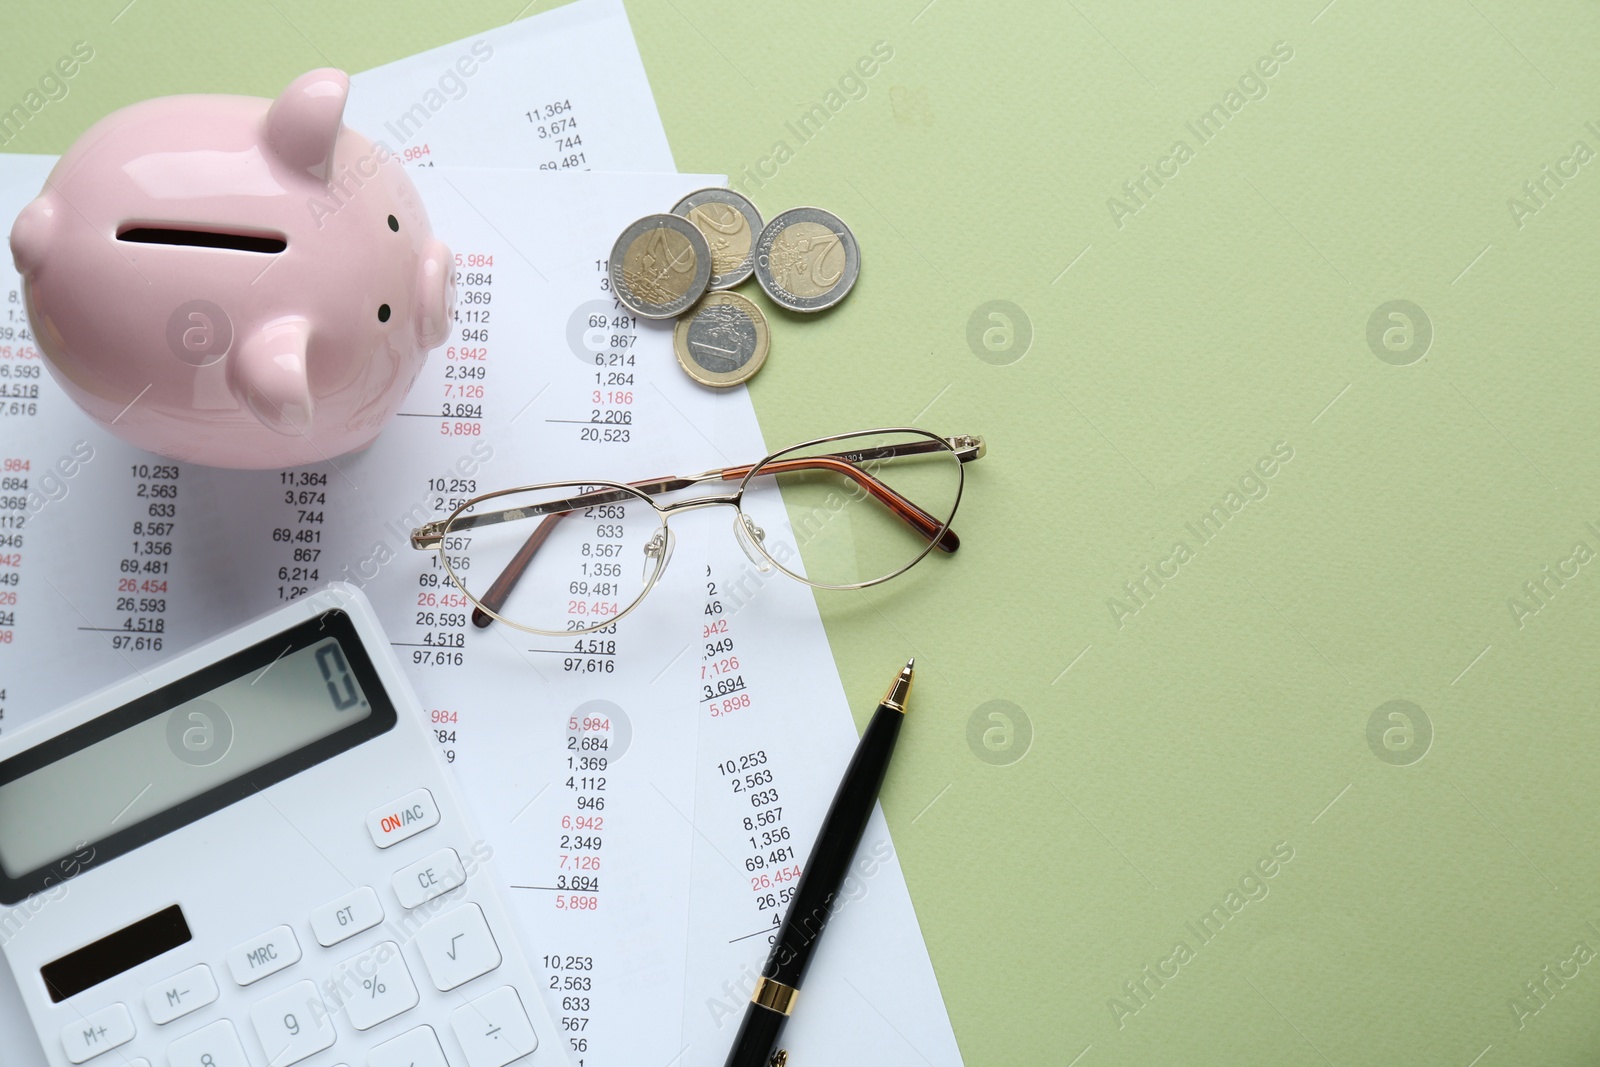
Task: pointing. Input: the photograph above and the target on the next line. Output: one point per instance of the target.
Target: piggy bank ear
(304, 121)
(268, 375)
(436, 294)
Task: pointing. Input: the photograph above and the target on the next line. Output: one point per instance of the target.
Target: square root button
(403, 818)
(458, 947)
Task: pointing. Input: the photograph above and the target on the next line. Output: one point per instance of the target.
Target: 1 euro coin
(807, 259)
(722, 341)
(660, 266)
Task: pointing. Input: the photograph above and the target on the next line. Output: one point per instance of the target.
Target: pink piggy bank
(235, 281)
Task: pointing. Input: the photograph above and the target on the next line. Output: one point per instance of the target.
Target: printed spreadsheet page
(669, 891)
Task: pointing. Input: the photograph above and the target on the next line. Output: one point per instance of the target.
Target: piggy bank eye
(394, 224)
(383, 312)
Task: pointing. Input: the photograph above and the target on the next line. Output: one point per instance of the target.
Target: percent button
(375, 986)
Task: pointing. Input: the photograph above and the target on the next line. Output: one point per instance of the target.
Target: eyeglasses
(841, 512)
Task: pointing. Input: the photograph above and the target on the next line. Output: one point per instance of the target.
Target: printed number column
(145, 568)
(749, 775)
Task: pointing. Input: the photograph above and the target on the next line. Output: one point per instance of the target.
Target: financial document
(561, 91)
(650, 794)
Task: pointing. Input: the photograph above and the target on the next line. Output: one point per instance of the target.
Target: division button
(494, 1029)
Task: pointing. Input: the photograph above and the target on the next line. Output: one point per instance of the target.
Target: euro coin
(730, 223)
(807, 259)
(660, 266)
(722, 341)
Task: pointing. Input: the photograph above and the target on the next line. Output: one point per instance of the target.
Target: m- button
(264, 955)
(181, 994)
(401, 819)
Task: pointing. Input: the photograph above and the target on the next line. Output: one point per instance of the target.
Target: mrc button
(260, 956)
(403, 818)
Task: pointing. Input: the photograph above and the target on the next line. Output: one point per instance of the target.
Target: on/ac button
(403, 818)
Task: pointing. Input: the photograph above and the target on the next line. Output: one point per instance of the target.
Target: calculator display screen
(221, 735)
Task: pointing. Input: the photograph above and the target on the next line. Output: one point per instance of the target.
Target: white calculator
(250, 856)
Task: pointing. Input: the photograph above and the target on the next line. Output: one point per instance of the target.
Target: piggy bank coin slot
(239, 242)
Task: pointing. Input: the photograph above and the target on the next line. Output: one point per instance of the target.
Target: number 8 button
(216, 1045)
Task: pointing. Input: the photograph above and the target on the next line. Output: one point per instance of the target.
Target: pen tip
(900, 688)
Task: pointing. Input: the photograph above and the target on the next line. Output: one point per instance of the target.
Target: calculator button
(414, 1048)
(267, 954)
(346, 917)
(494, 1030)
(216, 1045)
(87, 1037)
(403, 818)
(181, 994)
(458, 947)
(292, 1024)
(429, 878)
(375, 986)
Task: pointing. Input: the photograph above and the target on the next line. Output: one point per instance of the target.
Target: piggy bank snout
(436, 294)
(30, 235)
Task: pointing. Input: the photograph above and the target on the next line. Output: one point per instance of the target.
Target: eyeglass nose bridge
(731, 500)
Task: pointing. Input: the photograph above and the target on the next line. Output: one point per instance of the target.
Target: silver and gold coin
(660, 266)
(730, 223)
(807, 259)
(722, 341)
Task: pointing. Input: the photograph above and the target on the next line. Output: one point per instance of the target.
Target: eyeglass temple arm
(500, 589)
(943, 537)
(967, 448)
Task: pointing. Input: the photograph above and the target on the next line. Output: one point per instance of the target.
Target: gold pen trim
(775, 995)
(900, 690)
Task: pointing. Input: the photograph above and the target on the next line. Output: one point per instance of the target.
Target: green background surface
(1162, 758)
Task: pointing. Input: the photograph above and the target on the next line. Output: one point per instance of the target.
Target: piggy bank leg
(268, 375)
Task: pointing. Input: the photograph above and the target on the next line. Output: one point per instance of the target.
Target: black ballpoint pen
(815, 898)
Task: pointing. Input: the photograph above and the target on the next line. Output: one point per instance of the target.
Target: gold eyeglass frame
(591, 493)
